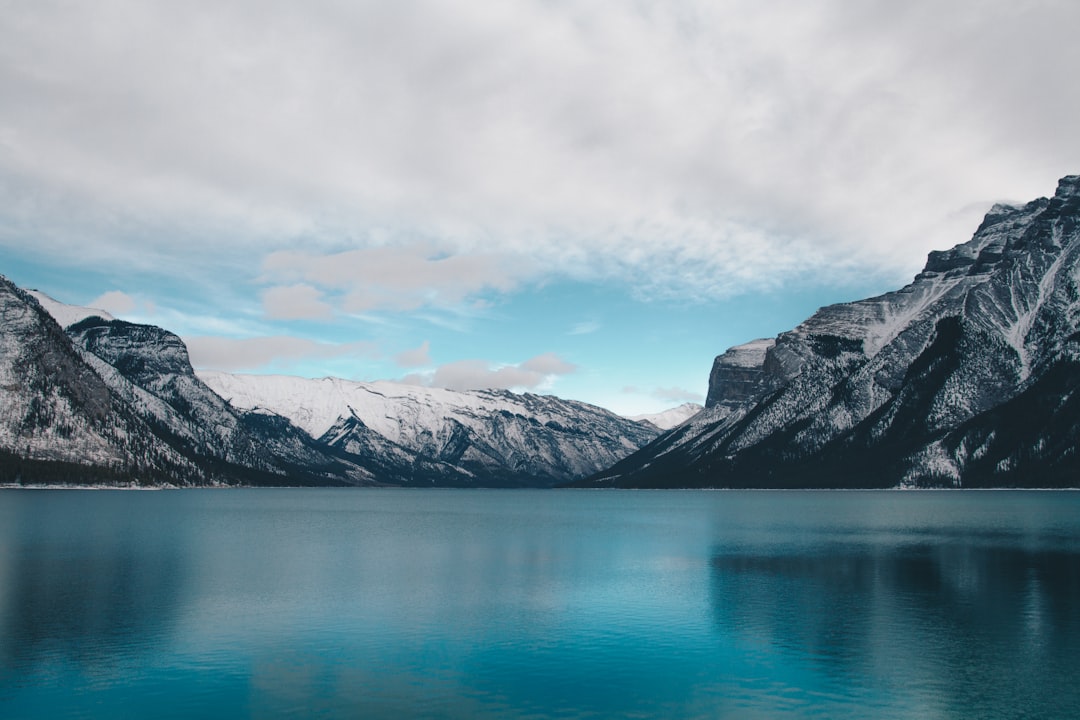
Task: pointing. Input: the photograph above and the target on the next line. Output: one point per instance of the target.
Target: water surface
(522, 604)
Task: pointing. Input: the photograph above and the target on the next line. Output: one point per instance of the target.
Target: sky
(591, 199)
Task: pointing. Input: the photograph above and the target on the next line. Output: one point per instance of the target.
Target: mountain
(488, 437)
(149, 368)
(59, 416)
(104, 401)
(111, 402)
(670, 418)
(966, 377)
(65, 314)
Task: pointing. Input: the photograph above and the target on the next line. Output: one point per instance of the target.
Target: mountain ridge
(486, 432)
(965, 377)
(106, 401)
(905, 389)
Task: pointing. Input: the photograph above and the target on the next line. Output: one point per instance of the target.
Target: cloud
(677, 394)
(295, 302)
(416, 357)
(548, 364)
(694, 148)
(484, 375)
(120, 304)
(114, 302)
(667, 394)
(586, 327)
(232, 354)
(396, 277)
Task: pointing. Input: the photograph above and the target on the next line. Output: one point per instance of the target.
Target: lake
(539, 604)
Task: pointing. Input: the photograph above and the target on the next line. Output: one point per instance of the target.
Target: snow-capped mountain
(65, 314)
(108, 401)
(103, 400)
(966, 377)
(61, 420)
(489, 437)
(670, 418)
(55, 407)
(149, 368)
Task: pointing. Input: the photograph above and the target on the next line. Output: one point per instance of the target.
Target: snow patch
(64, 314)
(670, 418)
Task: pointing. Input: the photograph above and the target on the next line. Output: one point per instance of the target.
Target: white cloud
(531, 374)
(666, 394)
(692, 148)
(232, 354)
(678, 394)
(123, 305)
(114, 302)
(295, 302)
(416, 357)
(548, 364)
(396, 277)
(586, 327)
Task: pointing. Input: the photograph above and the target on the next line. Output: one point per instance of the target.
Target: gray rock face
(909, 388)
(61, 420)
(150, 369)
(109, 402)
(742, 375)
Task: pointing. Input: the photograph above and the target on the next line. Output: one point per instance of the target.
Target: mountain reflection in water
(78, 584)
(986, 623)
(537, 604)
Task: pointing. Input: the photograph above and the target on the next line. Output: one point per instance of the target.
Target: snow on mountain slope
(65, 314)
(493, 436)
(905, 388)
(117, 401)
(316, 404)
(60, 420)
(334, 431)
(149, 366)
(670, 418)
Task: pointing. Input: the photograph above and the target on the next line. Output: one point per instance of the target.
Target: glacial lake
(539, 604)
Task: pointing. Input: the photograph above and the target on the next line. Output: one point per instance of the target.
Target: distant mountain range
(487, 437)
(967, 377)
(103, 401)
(670, 418)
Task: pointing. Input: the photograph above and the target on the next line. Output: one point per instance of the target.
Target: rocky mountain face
(967, 377)
(149, 368)
(107, 401)
(111, 402)
(489, 438)
(58, 414)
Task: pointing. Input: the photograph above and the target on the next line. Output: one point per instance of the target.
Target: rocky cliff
(965, 377)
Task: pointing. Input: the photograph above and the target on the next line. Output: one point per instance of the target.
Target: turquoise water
(521, 604)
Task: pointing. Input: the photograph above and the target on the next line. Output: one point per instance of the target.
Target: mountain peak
(968, 377)
(1068, 186)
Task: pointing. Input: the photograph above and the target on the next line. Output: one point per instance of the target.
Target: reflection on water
(476, 604)
(982, 630)
(75, 584)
